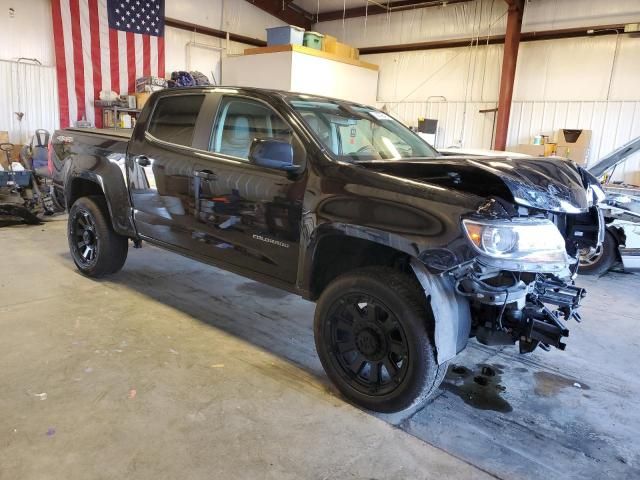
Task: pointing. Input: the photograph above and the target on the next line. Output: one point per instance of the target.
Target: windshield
(355, 133)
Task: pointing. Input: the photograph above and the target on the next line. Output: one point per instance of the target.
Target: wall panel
(460, 124)
(30, 89)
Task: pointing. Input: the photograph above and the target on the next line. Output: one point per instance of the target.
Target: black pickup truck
(407, 253)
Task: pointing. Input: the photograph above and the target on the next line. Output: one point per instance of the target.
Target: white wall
(559, 83)
(30, 34)
(29, 89)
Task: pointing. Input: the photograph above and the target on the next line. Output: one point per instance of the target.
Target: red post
(509, 62)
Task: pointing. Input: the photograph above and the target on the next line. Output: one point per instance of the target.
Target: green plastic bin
(313, 40)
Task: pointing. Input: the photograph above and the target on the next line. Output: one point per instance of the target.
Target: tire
(602, 260)
(373, 334)
(96, 249)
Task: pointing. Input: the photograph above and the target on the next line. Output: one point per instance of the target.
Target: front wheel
(97, 250)
(373, 336)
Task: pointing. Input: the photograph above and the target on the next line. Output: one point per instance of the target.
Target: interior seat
(237, 137)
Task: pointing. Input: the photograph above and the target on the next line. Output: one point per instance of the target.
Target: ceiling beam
(213, 32)
(596, 30)
(381, 6)
(286, 11)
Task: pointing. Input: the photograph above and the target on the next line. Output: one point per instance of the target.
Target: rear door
(161, 162)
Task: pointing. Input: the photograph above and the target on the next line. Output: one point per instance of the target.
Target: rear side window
(174, 118)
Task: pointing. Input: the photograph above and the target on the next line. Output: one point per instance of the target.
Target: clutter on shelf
(569, 143)
(187, 79)
(292, 35)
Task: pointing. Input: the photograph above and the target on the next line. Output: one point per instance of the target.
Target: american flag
(104, 45)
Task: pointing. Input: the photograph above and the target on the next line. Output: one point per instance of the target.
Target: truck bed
(120, 133)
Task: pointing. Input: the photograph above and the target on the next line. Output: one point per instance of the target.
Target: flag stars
(137, 16)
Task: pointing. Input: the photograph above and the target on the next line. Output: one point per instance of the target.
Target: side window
(240, 121)
(174, 118)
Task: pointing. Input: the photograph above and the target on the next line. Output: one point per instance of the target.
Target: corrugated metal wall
(461, 124)
(32, 90)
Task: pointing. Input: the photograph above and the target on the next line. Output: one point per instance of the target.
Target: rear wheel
(96, 248)
(373, 336)
(601, 259)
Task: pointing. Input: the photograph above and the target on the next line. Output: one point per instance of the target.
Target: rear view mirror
(272, 153)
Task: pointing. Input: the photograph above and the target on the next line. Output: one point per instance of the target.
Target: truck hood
(550, 184)
(618, 156)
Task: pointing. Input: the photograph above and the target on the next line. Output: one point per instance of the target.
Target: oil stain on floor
(479, 388)
(549, 384)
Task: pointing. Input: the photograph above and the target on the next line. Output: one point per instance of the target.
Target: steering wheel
(6, 147)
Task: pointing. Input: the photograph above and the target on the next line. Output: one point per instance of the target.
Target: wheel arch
(335, 249)
(338, 249)
(87, 183)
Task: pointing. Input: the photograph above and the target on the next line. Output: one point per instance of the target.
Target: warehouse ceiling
(324, 6)
(305, 12)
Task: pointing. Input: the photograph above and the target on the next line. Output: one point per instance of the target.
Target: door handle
(205, 175)
(143, 161)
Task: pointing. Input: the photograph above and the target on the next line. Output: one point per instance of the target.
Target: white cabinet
(299, 69)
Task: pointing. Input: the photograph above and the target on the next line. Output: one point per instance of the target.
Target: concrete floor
(173, 369)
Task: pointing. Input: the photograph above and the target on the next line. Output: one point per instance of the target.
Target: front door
(247, 215)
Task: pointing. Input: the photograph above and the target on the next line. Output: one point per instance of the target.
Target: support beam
(213, 32)
(380, 6)
(509, 63)
(286, 11)
(598, 30)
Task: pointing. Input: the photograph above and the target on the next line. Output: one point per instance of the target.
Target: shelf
(310, 51)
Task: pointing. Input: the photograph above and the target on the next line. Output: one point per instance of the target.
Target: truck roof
(263, 91)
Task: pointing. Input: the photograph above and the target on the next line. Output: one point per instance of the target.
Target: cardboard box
(577, 154)
(141, 99)
(527, 149)
(573, 137)
(329, 43)
(332, 45)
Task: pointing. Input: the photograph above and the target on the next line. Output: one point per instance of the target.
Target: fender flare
(115, 193)
(451, 312)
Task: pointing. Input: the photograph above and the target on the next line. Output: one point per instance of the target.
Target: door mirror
(272, 153)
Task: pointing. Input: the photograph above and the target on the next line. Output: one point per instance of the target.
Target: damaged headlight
(524, 240)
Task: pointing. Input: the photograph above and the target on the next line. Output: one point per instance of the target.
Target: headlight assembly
(526, 240)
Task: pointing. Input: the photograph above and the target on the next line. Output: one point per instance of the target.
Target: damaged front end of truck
(509, 277)
(520, 283)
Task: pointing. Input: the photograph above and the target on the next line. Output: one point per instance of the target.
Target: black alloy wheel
(97, 250)
(85, 238)
(373, 330)
(370, 346)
